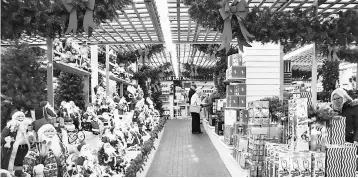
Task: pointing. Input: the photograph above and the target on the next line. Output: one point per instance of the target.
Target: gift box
(238, 71)
(240, 89)
(302, 137)
(244, 116)
(243, 144)
(336, 131)
(349, 162)
(230, 90)
(318, 164)
(219, 127)
(283, 169)
(228, 134)
(242, 102)
(333, 161)
(341, 160)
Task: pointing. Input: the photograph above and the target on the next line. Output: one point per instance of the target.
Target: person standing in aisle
(211, 99)
(342, 103)
(191, 91)
(195, 112)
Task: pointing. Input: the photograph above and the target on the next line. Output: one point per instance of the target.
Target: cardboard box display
(295, 169)
(318, 164)
(336, 132)
(230, 116)
(302, 137)
(349, 160)
(240, 89)
(242, 102)
(305, 164)
(244, 116)
(228, 134)
(238, 72)
(283, 165)
(230, 90)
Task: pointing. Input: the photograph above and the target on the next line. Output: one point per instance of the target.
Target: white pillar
(50, 89)
(121, 90)
(357, 77)
(94, 70)
(281, 72)
(107, 70)
(86, 89)
(314, 75)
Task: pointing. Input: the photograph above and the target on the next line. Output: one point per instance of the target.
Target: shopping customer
(191, 91)
(210, 100)
(343, 104)
(195, 111)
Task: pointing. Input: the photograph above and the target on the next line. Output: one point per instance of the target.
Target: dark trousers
(195, 122)
(20, 155)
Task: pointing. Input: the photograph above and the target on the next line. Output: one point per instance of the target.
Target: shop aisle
(182, 154)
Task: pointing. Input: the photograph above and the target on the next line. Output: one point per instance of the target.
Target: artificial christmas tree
(70, 88)
(23, 81)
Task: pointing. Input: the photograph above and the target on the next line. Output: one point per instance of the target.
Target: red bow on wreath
(240, 10)
(87, 20)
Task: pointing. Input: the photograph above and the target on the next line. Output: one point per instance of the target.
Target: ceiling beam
(274, 4)
(130, 22)
(300, 5)
(261, 3)
(344, 5)
(141, 21)
(154, 17)
(285, 5)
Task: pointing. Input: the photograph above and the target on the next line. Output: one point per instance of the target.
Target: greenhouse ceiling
(139, 25)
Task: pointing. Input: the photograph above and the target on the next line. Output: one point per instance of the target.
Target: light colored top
(195, 100)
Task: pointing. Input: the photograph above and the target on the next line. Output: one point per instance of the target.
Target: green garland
(50, 18)
(129, 57)
(136, 165)
(203, 73)
(289, 28)
(150, 72)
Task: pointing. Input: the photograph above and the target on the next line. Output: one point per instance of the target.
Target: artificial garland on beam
(129, 57)
(202, 72)
(50, 18)
(289, 28)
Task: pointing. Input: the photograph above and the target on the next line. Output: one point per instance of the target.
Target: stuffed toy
(109, 154)
(58, 47)
(15, 143)
(39, 170)
(49, 151)
(71, 165)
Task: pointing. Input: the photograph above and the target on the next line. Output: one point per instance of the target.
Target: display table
(224, 152)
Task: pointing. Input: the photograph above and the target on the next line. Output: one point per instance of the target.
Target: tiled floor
(182, 154)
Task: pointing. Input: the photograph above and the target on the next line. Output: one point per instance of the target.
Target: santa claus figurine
(14, 141)
(48, 151)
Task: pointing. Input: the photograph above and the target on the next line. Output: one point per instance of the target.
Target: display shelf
(70, 69)
(111, 77)
(233, 80)
(234, 108)
(224, 151)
